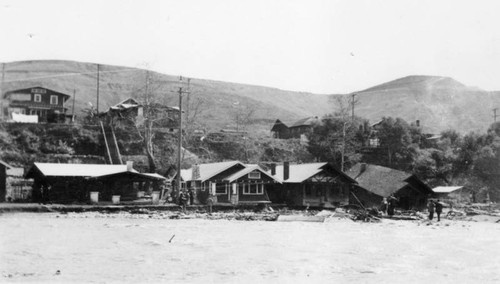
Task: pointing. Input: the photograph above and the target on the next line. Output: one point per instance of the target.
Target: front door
(234, 193)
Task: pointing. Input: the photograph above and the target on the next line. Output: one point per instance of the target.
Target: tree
(155, 116)
(335, 140)
(394, 135)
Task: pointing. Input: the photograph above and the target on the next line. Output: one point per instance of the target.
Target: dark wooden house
(314, 184)
(45, 103)
(376, 182)
(297, 129)
(67, 183)
(228, 182)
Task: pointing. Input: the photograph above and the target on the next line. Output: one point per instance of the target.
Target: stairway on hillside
(112, 151)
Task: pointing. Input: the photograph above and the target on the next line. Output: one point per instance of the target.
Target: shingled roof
(377, 179)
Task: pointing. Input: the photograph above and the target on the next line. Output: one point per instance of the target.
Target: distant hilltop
(440, 103)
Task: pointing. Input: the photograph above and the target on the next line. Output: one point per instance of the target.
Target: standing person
(439, 209)
(383, 206)
(191, 196)
(183, 200)
(430, 207)
(391, 205)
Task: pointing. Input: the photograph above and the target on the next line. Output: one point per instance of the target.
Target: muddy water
(118, 248)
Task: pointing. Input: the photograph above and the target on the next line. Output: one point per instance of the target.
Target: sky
(319, 46)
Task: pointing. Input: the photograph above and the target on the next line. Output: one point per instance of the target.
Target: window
(203, 186)
(220, 189)
(37, 98)
(254, 175)
(53, 100)
(253, 189)
(38, 91)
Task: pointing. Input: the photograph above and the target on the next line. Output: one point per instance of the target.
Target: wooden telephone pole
(495, 115)
(181, 92)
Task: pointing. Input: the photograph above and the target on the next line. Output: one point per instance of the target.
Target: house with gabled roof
(377, 182)
(66, 183)
(46, 105)
(228, 182)
(312, 184)
(297, 129)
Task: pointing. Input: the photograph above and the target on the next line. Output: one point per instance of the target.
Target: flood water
(100, 248)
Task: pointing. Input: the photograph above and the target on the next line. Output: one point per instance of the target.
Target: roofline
(228, 167)
(256, 168)
(36, 86)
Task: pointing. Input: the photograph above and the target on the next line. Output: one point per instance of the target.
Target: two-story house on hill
(42, 102)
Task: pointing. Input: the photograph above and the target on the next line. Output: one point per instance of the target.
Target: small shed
(450, 193)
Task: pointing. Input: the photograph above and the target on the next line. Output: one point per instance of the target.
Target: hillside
(439, 103)
(221, 100)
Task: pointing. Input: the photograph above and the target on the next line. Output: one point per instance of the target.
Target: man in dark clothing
(430, 207)
(191, 196)
(391, 205)
(183, 200)
(439, 209)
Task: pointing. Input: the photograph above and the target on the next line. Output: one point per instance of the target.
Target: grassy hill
(221, 100)
(440, 103)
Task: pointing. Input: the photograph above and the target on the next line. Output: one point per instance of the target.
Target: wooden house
(451, 194)
(66, 183)
(45, 104)
(376, 182)
(297, 129)
(228, 182)
(313, 184)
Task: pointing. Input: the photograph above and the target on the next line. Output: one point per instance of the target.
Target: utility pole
(73, 108)
(97, 107)
(181, 92)
(353, 103)
(2, 114)
(495, 115)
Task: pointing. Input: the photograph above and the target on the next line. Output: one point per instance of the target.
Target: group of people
(186, 197)
(388, 205)
(435, 206)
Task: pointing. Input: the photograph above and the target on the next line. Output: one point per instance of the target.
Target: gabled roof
(377, 179)
(87, 171)
(210, 170)
(446, 189)
(134, 174)
(28, 90)
(126, 104)
(77, 170)
(5, 164)
(299, 173)
(247, 170)
(308, 121)
(278, 123)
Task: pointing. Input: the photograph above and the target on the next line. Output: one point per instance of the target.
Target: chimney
(362, 168)
(286, 170)
(130, 166)
(195, 172)
(273, 169)
(417, 123)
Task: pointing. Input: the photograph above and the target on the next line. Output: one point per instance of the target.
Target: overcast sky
(315, 46)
